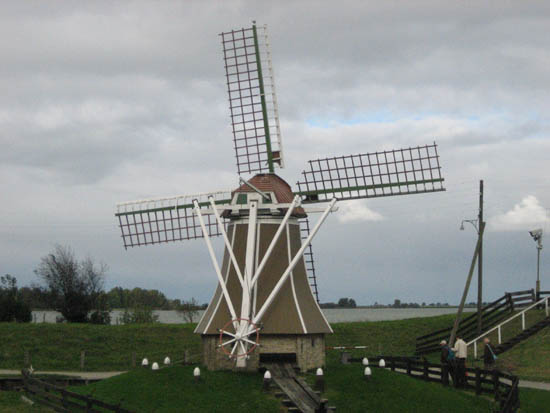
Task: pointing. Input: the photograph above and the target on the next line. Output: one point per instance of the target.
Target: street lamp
(537, 237)
(471, 221)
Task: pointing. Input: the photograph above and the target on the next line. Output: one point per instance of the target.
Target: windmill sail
(252, 100)
(154, 221)
(308, 259)
(396, 172)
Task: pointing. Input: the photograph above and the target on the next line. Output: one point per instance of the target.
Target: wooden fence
(65, 401)
(503, 386)
(491, 315)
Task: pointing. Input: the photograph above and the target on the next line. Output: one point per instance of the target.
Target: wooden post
(480, 263)
(133, 359)
(467, 286)
(426, 374)
(478, 381)
(510, 302)
(88, 404)
(82, 358)
(392, 363)
(445, 374)
(496, 384)
(344, 357)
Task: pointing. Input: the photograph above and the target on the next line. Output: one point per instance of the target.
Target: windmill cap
(272, 183)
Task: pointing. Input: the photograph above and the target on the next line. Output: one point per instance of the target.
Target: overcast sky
(103, 102)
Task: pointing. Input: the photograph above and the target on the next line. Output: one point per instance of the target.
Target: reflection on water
(333, 315)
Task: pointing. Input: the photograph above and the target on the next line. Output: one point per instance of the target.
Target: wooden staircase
(492, 315)
(297, 395)
(535, 328)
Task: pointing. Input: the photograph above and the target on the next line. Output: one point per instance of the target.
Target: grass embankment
(58, 346)
(107, 348)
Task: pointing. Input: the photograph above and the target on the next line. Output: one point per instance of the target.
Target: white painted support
(475, 349)
(214, 261)
(499, 336)
(247, 290)
(295, 260)
(228, 245)
(523, 321)
(295, 202)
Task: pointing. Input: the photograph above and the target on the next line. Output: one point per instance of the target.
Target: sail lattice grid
(252, 99)
(387, 173)
(162, 220)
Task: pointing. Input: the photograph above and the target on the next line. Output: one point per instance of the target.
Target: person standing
(489, 355)
(447, 363)
(461, 351)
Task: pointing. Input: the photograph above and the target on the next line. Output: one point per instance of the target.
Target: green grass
(394, 392)
(534, 401)
(530, 359)
(108, 348)
(10, 402)
(174, 389)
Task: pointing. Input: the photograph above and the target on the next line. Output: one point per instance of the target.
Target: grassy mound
(174, 389)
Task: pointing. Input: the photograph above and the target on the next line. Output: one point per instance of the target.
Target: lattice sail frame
(396, 172)
(252, 100)
(161, 220)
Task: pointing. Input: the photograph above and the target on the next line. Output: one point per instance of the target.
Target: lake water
(333, 315)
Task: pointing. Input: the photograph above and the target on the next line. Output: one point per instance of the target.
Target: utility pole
(480, 261)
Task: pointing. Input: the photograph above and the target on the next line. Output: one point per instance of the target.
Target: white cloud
(523, 216)
(357, 212)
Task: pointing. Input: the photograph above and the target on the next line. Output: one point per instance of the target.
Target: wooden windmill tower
(265, 306)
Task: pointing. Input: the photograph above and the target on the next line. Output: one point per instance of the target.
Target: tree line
(75, 288)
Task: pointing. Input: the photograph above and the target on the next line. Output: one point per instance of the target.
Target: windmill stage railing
(498, 328)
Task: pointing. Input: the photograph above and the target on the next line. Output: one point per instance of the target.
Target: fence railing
(491, 315)
(498, 327)
(502, 386)
(62, 400)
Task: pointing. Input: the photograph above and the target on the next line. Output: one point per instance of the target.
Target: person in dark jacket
(488, 355)
(447, 361)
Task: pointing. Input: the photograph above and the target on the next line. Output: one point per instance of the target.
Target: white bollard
(155, 366)
(197, 373)
(381, 363)
(367, 373)
(320, 380)
(267, 380)
(365, 361)
(144, 363)
(167, 360)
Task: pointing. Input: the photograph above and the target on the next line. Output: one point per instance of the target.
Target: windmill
(265, 306)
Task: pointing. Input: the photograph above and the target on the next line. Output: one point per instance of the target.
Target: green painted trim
(184, 206)
(262, 98)
(367, 187)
